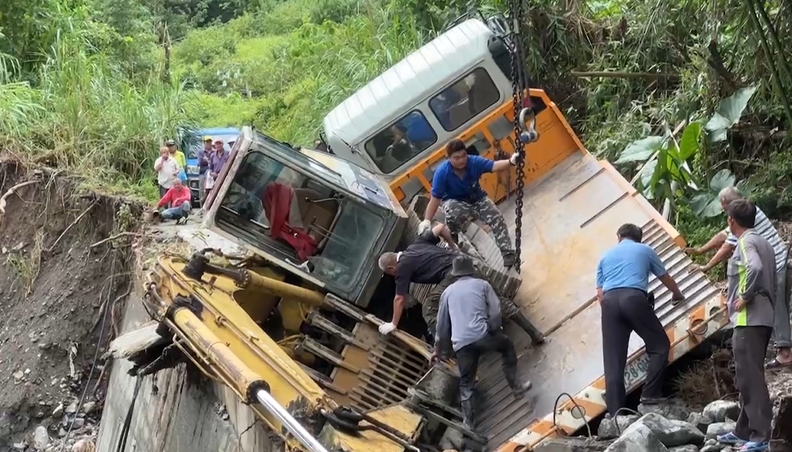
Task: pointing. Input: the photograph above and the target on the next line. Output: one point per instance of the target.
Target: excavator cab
(286, 327)
(310, 213)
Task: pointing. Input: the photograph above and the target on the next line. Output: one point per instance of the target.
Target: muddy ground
(58, 299)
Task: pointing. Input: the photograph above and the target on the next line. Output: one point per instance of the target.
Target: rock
(667, 410)
(719, 410)
(19, 446)
(686, 448)
(88, 407)
(72, 408)
(719, 428)
(572, 444)
(712, 448)
(18, 375)
(40, 438)
(637, 438)
(783, 419)
(84, 445)
(610, 428)
(62, 432)
(58, 411)
(671, 432)
(78, 423)
(700, 421)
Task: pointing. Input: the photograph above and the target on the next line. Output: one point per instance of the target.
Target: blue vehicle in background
(191, 141)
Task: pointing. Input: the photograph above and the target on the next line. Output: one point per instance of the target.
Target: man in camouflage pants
(456, 186)
(424, 262)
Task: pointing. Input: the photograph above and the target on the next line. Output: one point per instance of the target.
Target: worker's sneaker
(730, 439)
(654, 400)
(521, 390)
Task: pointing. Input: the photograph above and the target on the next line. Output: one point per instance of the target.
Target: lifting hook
(527, 124)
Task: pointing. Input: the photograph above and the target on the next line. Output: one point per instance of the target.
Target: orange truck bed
(573, 205)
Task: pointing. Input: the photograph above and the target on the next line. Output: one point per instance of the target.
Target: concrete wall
(175, 413)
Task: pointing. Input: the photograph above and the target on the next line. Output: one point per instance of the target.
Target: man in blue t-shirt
(456, 186)
(627, 306)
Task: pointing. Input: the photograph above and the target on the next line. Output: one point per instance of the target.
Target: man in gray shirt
(726, 242)
(469, 318)
(750, 300)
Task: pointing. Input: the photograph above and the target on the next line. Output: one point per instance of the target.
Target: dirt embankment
(60, 299)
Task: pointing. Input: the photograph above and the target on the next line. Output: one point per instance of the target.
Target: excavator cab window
(300, 219)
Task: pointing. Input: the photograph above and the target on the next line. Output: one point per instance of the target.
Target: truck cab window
(465, 99)
(401, 141)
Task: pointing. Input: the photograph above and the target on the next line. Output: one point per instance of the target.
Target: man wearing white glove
(456, 187)
(424, 262)
(426, 250)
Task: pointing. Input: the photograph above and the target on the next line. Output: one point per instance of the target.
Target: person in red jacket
(180, 199)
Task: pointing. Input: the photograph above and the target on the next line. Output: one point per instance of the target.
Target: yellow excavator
(291, 327)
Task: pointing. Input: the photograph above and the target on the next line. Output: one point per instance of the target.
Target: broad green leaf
(673, 169)
(728, 113)
(641, 150)
(746, 187)
(722, 179)
(660, 173)
(648, 173)
(717, 123)
(733, 106)
(689, 143)
(706, 204)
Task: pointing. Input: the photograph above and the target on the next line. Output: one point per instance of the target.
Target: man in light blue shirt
(469, 318)
(622, 284)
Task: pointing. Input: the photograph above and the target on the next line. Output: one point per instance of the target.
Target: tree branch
(715, 61)
(616, 74)
(776, 78)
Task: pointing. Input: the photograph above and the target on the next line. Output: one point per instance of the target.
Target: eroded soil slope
(58, 296)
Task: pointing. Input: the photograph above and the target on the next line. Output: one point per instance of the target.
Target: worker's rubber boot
(536, 336)
(469, 420)
(509, 259)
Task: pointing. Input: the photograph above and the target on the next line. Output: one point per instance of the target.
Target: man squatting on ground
(469, 318)
(456, 186)
(424, 262)
(725, 242)
(622, 284)
(179, 198)
(752, 286)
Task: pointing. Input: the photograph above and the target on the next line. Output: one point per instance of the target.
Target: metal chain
(516, 10)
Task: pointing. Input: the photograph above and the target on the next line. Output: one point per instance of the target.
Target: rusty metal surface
(570, 219)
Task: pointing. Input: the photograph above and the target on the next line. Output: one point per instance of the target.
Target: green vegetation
(96, 84)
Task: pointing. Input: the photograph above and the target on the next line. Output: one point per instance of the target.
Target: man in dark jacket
(424, 262)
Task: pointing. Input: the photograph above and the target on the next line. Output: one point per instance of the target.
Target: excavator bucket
(573, 205)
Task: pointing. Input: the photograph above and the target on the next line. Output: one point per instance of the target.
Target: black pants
(468, 359)
(749, 344)
(625, 311)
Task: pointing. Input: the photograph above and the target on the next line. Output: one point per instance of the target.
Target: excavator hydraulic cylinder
(295, 428)
(239, 376)
(281, 289)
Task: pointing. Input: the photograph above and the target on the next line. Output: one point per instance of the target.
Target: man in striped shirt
(725, 242)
